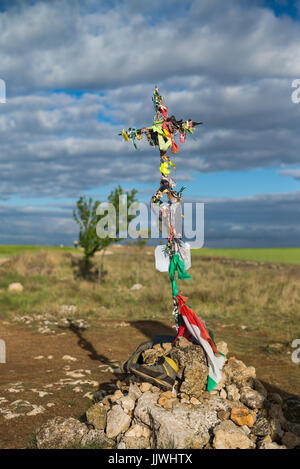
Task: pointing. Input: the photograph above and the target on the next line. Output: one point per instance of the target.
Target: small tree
(86, 217)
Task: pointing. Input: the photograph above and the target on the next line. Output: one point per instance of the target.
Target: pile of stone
(239, 414)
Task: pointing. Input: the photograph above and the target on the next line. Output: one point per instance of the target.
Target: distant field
(283, 255)
(7, 250)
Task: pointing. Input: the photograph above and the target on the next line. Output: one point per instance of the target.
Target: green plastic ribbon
(177, 264)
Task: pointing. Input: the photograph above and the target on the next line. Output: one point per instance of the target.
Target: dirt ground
(36, 380)
(36, 383)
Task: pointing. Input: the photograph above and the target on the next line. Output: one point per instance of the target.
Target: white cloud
(230, 64)
(62, 44)
(294, 173)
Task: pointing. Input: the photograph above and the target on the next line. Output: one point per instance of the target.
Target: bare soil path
(36, 383)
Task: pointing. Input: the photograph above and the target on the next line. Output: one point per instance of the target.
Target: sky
(78, 72)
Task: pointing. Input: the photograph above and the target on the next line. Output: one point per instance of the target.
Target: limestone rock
(238, 373)
(116, 396)
(171, 403)
(238, 414)
(155, 388)
(128, 403)
(69, 358)
(242, 417)
(222, 347)
(178, 430)
(195, 401)
(272, 445)
(147, 400)
(144, 387)
(121, 445)
(185, 401)
(162, 400)
(97, 437)
(227, 435)
(183, 426)
(105, 403)
(138, 430)
(262, 427)
(37, 409)
(168, 394)
(266, 439)
(137, 437)
(232, 392)
(182, 343)
(247, 430)
(158, 347)
(252, 398)
(136, 286)
(96, 416)
(15, 287)
(193, 369)
(67, 310)
(195, 381)
(223, 415)
(151, 355)
(134, 391)
(60, 432)
(129, 442)
(169, 433)
(167, 399)
(201, 419)
(167, 347)
(117, 422)
(275, 348)
(216, 403)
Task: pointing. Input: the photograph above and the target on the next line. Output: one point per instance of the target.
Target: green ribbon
(176, 263)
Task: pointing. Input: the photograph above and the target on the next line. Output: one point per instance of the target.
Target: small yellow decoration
(124, 133)
(164, 168)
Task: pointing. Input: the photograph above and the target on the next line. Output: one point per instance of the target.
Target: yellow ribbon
(124, 133)
(164, 168)
(171, 163)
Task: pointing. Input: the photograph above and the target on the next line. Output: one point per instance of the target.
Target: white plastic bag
(162, 259)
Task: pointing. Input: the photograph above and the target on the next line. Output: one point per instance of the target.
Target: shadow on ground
(153, 328)
(84, 343)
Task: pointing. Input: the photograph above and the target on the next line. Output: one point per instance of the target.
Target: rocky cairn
(239, 414)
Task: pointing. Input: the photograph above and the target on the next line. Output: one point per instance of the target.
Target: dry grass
(41, 263)
(263, 298)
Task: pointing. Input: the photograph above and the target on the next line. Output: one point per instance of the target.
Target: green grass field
(8, 250)
(282, 255)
